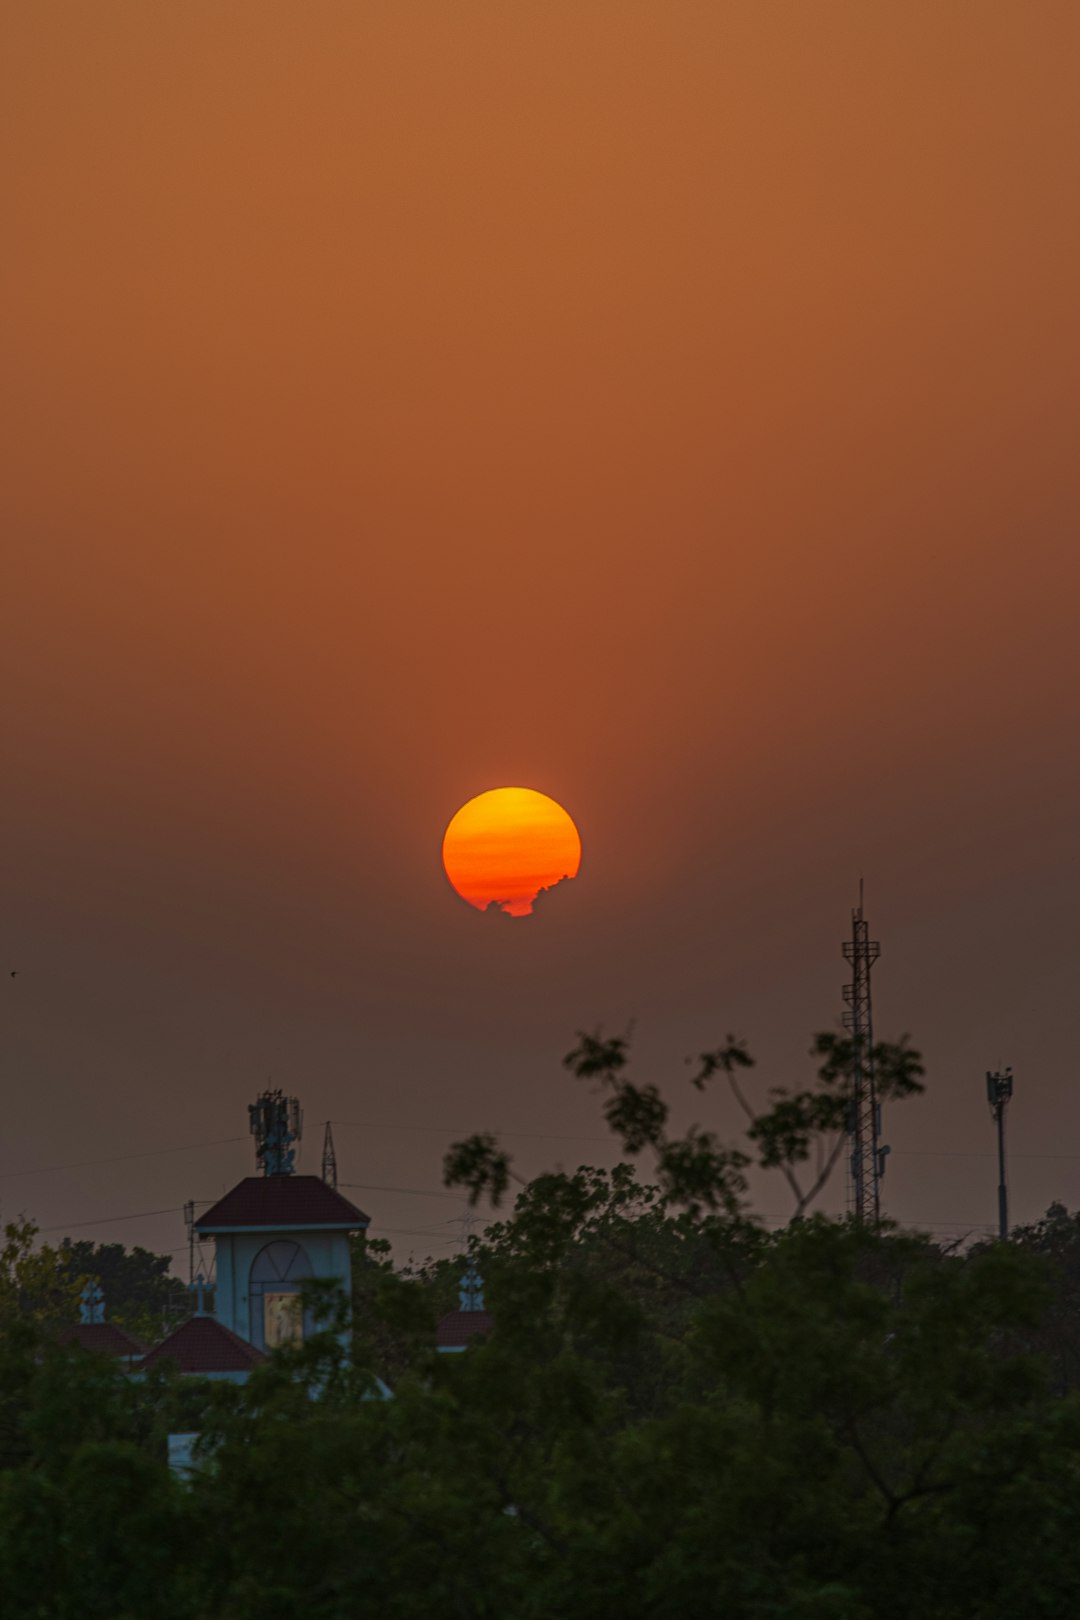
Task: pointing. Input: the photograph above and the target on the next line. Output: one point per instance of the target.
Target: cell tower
(276, 1123)
(864, 1121)
(329, 1158)
(999, 1089)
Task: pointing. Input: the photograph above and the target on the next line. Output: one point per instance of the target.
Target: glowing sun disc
(507, 845)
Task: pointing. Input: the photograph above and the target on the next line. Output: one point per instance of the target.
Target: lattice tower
(864, 1120)
(329, 1158)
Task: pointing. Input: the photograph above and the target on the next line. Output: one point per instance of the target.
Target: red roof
(284, 1202)
(104, 1337)
(202, 1345)
(458, 1327)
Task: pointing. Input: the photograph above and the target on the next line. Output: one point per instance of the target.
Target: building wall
(330, 1261)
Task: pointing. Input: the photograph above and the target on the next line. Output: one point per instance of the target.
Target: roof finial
(471, 1294)
(198, 1288)
(92, 1303)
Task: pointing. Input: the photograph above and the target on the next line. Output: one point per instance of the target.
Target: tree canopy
(677, 1413)
(139, 1293)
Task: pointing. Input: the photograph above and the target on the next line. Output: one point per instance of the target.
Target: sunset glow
(505, 846)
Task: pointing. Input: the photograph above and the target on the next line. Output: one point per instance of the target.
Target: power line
(427, 1192)
(145, 1214)
(936, 1226)
(550, 1136)
(416, 1231)
(972, 1153)
(110, 1220)
(451, 1130)
(419, 1192)
(120, 1158)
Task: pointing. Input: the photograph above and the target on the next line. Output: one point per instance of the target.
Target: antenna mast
(329, 1158)
(867, 1162)
(276, 1123)
(999, 1088)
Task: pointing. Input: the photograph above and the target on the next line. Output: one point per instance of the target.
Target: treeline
(677, 1414)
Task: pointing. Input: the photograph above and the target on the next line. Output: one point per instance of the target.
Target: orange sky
(671, 405)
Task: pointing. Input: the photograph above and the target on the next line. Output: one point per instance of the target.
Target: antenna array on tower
(276, 1123)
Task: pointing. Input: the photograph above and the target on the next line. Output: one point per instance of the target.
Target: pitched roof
(104, 1337)
(458, 1327)
(285, 1202)
(202, 1345)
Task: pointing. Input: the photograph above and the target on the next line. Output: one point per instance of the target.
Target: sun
(507, 845)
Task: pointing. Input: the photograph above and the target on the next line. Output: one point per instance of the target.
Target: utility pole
(189, 1222)
(999, 1088)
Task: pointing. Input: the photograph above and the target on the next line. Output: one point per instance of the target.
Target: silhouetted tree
(140, 1294)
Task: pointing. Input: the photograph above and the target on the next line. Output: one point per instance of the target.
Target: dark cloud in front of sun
(542, 894)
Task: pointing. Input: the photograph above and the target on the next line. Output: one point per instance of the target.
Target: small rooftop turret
(92, 1332)
(458, 1327)
(92, 1304)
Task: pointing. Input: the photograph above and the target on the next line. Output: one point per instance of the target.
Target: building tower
(864, 1120)
(274, 1232)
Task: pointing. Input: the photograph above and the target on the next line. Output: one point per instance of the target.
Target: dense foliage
(677, 1414)
(139, 1293)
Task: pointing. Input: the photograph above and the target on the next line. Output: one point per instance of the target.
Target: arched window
(274, 1288)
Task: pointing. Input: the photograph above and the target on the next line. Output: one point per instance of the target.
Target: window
(276, 1274)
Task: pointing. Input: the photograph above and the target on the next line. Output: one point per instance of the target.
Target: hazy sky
(670, 406)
